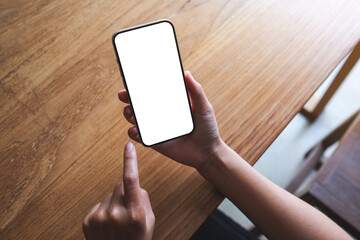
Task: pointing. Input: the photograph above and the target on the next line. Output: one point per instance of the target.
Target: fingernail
(119, 94)
(129, 147)
(189, 73)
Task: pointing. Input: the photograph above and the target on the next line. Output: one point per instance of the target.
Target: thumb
(198, 98)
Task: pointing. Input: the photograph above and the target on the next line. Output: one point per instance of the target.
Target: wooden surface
(336, 188)
(62, 132)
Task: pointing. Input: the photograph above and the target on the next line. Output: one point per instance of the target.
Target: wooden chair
(335, 189)
(314, 106)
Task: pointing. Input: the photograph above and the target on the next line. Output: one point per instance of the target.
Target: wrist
(215, 160)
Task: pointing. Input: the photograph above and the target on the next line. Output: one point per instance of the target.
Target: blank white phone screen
(153, 75)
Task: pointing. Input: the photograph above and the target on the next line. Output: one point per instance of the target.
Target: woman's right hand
(196, 148)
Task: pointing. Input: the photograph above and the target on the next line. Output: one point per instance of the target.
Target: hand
(194, 149)
(126, 213)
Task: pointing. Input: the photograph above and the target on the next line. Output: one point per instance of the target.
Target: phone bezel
(124, 80)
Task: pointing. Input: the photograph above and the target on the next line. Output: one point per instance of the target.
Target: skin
(126, 213)
(276, 212)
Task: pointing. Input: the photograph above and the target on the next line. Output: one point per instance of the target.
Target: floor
(282, 158)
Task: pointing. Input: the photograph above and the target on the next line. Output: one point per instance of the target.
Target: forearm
(279, 214)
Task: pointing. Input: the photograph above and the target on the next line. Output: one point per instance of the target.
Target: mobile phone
(153, 75)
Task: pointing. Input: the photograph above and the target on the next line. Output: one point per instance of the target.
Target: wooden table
(62, 130)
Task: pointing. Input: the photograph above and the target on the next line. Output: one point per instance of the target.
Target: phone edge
(182, 70)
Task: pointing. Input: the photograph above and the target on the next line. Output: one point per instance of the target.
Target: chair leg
(336, 134)
(313, 108)
(306, 167)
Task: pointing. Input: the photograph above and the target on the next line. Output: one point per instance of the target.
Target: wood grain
(62, 130)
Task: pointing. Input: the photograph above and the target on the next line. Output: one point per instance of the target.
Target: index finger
(131, 177)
